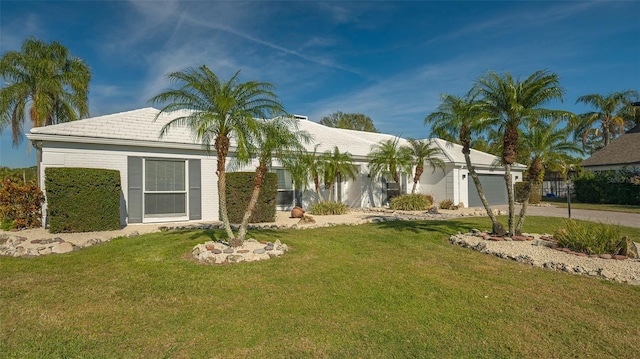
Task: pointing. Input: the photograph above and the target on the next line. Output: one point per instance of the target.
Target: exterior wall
(436, 184)
(56, 154)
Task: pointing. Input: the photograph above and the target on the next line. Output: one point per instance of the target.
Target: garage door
(494, 190)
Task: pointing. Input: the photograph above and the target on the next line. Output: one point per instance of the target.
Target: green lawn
(386, 290)
(562, 202)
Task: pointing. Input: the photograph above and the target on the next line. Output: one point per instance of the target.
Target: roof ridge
(91, 119)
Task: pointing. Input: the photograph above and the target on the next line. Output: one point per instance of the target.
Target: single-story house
(620, 153)
(173, 178)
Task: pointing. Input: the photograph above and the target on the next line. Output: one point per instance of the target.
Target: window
(165, 190)
(284, 198)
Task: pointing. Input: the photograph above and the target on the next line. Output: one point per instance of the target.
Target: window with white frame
(285, 188)
(165, 188)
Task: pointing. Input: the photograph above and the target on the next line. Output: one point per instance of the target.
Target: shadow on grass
(447, 227)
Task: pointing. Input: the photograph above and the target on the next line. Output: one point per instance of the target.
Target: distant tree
(350, 121)
(608, 118)
(44, 81)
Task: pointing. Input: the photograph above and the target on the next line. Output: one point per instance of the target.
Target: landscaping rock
(624, 271)
(64, 247)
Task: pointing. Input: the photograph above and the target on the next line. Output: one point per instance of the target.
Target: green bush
(20, 205)
(521, 188)
(239, 189)
(82, 199)
(611, 187)
(412, 202)
(591, 238)
(328, 208)
(445, 204)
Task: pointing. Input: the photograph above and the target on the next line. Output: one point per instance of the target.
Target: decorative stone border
(536, 250)
(218, 252)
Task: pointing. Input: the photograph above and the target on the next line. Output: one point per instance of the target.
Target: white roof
(137, 127)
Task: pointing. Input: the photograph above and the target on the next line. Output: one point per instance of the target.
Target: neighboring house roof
(138, 128)
(624, 151)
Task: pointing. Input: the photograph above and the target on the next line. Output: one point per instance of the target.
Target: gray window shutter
(195, 191)
(134, 175)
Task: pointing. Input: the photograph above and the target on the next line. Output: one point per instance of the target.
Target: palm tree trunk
(316, 183)
(535, 177)
(510, 198)
(261, 171)
(222, 149)
(497, 227)
(523, 210)
(416, 178)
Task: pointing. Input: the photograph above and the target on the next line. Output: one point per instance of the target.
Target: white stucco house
(173, 178)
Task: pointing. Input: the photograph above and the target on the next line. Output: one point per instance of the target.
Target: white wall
(56, 154)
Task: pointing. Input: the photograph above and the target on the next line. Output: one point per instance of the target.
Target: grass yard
(562, 203)
(386, 290)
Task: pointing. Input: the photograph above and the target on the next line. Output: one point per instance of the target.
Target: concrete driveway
(623, 219)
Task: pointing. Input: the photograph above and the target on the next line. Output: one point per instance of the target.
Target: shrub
(82, 199)
(446, 204)
(239, 189)
(591, 238)
(20, 205)
(412, 202)
(521, 188)
(615, 187)
(328, 207)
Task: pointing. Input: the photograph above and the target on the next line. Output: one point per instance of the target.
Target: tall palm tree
(47, 79)
(422, 151)
(276, 138)
(219, 109)
(509, 103)
(607, 117)
(337, 166)
(461, 118)
(389, 157)
(547, 145)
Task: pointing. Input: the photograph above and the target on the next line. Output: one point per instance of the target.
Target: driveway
(623, 219)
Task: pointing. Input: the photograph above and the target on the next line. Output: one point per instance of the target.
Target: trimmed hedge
(238, 191)
(82, 199)
(611, 187)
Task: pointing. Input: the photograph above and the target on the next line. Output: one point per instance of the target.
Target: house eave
(35, 137)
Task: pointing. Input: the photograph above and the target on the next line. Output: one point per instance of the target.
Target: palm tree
(388, 157)
(510, 103)
(276, 138)
(294, 163)
(422, 151)
(315, 164)
(547, 145)
(49, 81)
(607, 117)
(461, 118)
(219, 109)
(337, 164)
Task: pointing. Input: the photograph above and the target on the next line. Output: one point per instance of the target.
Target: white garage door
(494, 190)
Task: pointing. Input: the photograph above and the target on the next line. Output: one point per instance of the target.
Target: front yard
(386, 290)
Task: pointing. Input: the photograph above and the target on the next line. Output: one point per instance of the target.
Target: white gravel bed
(536, 253)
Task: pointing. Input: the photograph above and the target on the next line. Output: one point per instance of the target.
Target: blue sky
(388, 60)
